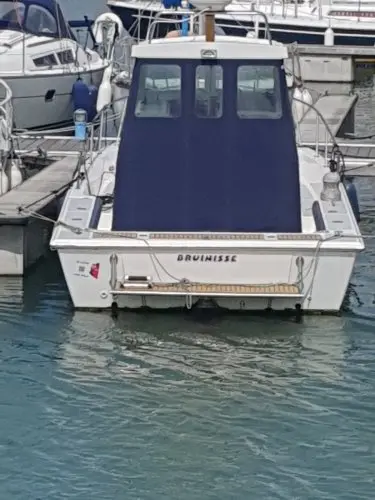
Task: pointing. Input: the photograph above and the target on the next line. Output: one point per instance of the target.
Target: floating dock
(330, 63)
(24, 232)
(26, 211)
(359, 156)
(336, 110)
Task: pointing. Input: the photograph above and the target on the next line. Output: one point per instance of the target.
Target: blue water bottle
(80, 124)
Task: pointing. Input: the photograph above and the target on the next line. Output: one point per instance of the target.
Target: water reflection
(265, 352)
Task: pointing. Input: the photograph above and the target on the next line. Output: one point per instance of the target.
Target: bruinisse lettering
(187, 257)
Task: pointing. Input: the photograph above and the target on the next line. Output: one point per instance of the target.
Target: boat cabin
(35, 17)
(208, 140)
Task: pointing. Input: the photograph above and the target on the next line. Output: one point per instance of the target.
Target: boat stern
(255, 275)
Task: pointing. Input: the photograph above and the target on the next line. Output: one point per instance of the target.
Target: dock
(359, 156)
(338, 113)
(24, 238)
(53, 145)
(27, 210)
(330, 63)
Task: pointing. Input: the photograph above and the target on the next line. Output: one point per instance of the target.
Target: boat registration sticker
(86, 269)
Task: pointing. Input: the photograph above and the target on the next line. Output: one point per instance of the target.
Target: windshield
(12, 13)
(34, 17)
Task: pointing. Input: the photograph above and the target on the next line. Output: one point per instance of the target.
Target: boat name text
(206, 258)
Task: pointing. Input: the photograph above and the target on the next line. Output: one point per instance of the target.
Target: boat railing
(6, 116)
(301, 8)
(324, 137)
(97, 136)
(288, 8)
(123, 60)
(193, 17)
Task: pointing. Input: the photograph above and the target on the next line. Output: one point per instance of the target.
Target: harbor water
(173, 406)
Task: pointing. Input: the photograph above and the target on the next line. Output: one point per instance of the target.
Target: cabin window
(12, 13)
(209, 91)
(159, 91)
(66, 56)
(258, 92)
(47, 60)
(40, 21)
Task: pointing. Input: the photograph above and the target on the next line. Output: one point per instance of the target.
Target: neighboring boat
(41, 60)
(207, 200)
(304, 21)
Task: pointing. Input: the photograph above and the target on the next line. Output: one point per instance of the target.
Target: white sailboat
(340, 22)
(41, 60)
(207, 200)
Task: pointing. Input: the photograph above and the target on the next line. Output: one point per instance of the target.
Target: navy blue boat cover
(207, 174)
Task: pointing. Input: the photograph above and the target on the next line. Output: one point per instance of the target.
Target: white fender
(14, 172)
(110, 18)
(4, 134)
(289, 79)
(105, 90)
(4, 182)
(306, 97)
(298, 108)
(329, 37)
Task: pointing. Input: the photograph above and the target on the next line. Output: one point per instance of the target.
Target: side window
(209, 91)
(258, 92)
(159, 91)
(66, 56)
(40, 21)
(47, 60)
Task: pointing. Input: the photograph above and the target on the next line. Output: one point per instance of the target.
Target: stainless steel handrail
(195, 15)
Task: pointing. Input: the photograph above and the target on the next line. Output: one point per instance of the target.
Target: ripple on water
(158, 407)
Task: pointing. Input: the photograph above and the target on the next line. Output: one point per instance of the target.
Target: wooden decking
(212, 289)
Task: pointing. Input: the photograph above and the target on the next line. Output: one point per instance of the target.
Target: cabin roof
(226, 47)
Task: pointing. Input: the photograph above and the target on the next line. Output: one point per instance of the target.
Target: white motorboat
(207, 200)
(41, 60)
(343, 22)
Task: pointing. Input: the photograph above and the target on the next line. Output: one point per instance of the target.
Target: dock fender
(351, 192)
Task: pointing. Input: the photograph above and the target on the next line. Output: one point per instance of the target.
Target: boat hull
(257, 279)
(31, 104)
(281, 32)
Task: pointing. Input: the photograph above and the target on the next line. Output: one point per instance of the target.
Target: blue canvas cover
(194, 173)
